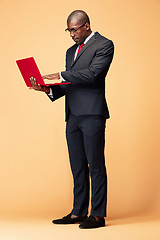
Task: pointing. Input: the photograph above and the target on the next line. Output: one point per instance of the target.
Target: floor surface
(121, 229)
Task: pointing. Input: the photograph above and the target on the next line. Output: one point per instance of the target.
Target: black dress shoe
(68, 220)
(92, 222)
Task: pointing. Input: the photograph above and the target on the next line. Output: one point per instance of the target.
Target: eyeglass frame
(73, 29)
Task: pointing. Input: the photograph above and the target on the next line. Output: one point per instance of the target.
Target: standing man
(87, 64)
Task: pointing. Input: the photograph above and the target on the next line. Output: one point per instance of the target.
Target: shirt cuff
(63, 80)
(50, 94)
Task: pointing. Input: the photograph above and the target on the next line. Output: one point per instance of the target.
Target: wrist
(46, 89)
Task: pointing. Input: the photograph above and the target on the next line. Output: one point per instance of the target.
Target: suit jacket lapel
(73, 54)
(91, 40)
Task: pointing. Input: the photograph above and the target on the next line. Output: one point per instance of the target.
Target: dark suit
(86, 114)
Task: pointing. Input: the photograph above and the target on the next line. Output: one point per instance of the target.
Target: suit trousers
(86, 139)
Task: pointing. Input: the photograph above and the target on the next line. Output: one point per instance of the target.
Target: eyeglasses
(73, 30)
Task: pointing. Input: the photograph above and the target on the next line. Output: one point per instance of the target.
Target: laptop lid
(29, 68)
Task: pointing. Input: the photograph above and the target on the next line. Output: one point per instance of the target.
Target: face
(81, 34)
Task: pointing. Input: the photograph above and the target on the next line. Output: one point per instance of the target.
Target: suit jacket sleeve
(100, 63)
(58, 92)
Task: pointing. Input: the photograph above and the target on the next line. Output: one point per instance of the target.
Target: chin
(77, 42)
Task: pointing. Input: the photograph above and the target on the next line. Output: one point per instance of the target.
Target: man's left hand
(53, 76)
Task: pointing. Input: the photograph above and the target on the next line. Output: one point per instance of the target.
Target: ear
(87, 26)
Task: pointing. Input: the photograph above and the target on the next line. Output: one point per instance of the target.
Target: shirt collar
(87, 39)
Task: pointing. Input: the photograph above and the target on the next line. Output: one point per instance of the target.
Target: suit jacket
(86, 93)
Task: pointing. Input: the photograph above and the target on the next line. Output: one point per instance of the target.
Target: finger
(31, 79)
(50, 76)
(34, 82)
(44, 77)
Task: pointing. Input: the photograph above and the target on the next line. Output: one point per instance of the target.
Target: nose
(71, 34)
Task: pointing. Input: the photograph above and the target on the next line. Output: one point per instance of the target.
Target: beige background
(35, 176)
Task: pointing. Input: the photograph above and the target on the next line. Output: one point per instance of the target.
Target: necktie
(79, 49)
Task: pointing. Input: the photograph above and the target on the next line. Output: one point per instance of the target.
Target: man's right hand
(37, 86)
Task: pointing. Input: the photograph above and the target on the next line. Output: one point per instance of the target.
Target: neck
(89, 32)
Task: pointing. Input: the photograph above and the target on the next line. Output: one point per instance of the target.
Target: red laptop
(28, 69)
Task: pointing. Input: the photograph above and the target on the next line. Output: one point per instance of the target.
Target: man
(87, 64)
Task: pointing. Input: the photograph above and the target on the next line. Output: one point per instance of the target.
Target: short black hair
(79, 15)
